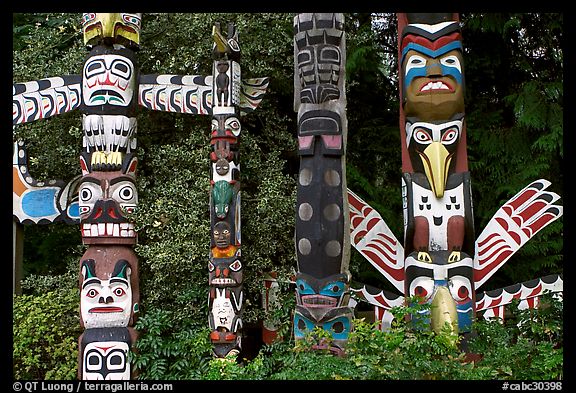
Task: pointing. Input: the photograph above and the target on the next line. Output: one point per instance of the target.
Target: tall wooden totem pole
(225, 301)
(440, 262)
(321, 234)
(107, 195)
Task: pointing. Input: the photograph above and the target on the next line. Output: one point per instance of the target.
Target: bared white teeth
(108, 230)
(435, 86)
(222, 281)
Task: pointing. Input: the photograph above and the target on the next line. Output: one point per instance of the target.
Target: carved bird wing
(41, 202)
(370, 235)
(492, 303)
(45, 98)
(516, 222)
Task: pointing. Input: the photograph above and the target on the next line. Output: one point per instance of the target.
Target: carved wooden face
(433, 84)
(106, 302)
(337, 321)
(432, 70)
(448, 286)
(109, 79)
(105, 199)
(104, 353)
(329, 291)
(226, 126)
(432, 148)
(224, 272)
(109, 287)
(222, 234)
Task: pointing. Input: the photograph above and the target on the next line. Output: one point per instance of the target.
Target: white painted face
(106, 303)
(222, 310)
(106, 360)
(108, 79)
(122, 189)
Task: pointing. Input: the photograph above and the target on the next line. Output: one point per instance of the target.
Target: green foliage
(46, 328)
(528, 346)
(170, 347)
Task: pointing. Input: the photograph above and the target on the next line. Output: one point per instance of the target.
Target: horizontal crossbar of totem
(322, 241)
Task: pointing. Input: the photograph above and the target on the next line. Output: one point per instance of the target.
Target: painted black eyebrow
(121, 178)
(120, 280)
(90, 179)
(460, 270)
(419, 271)
(93, 280)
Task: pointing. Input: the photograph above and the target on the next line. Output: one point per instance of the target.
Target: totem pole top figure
(225, 48)
(432, 95)
(111, 28)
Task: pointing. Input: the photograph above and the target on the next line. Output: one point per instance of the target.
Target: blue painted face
(327, 292)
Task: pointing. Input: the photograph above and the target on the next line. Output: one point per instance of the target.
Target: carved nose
(105, 301)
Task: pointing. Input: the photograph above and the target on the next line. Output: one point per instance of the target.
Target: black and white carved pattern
(45, 98)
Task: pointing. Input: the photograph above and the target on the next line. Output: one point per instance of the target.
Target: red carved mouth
(105, 309)
(436, 86)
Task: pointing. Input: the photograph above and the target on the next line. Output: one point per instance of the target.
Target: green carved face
(222, 194)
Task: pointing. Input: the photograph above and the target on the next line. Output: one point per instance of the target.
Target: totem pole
(321, 234)
(109, 278)
(440, 262)
(225, 300)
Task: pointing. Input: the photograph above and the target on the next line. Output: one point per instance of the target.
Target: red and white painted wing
(528, 293)
(370, 235)
(45, 98)
(516, 222)
(382, 301)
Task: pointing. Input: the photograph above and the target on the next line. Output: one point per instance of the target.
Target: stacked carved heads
(225, 300)
(439, 232)
(322, 239)
(108, 195)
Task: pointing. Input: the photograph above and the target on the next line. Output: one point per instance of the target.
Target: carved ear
(88, 268)
(85, 163)
(129, 165)
(122, 269)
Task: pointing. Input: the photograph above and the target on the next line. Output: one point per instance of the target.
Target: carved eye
(116, 360)
(460, 288)
(211, 266)
(121, 68)
(451, 61)
(415, 61)
(94, 67)
(93, 361)
(92, 293)
(304, 288)
(333, 289)
(422, 135)
(422, 287)
(449, 135)
(236, 265)
(119, 292)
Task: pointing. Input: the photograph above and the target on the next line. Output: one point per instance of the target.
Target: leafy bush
(527, 346)
(46, 329)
